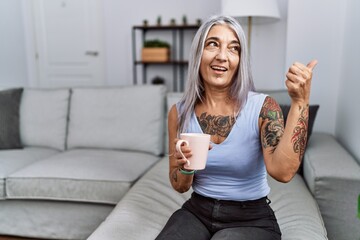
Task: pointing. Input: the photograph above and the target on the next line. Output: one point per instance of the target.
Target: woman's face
(220, 58)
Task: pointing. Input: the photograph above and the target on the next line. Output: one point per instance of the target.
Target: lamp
(257, 11)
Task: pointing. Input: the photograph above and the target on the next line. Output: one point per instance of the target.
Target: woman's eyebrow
(218, 39)
(212, 38)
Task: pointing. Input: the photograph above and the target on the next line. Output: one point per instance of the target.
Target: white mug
(199, 144)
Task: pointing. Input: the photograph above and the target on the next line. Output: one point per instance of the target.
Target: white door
(68, 39)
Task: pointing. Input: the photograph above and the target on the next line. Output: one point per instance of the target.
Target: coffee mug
(199, 144)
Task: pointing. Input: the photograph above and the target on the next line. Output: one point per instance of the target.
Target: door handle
(92, 53)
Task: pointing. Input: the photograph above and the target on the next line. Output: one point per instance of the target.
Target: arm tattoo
(299, 137)
(174, 175)
(216, 125)
(274, 123)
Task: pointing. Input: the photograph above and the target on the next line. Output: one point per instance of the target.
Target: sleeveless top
(235, 168)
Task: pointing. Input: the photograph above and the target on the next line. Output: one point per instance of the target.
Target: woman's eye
(235, 49)
(212, 44)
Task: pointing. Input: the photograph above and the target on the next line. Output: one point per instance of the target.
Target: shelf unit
(177, 60)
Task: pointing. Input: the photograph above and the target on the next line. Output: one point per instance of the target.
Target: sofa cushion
(43, 117)
(152, 200)
(149, 204)
(42, 219)
(9, 118)
(296, 210)
(86, 175)
(333, 176)
(15, 159)
(125, 118)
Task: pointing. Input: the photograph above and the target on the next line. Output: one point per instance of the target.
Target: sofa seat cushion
(46, 220)
(296, 210)
(122, 118)
(152, 200)
(86, 175)
(15, 159)
(149, 204)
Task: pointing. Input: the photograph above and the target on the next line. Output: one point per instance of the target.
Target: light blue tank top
(235, 168)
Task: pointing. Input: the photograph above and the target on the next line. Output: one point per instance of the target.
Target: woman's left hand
(298, 81)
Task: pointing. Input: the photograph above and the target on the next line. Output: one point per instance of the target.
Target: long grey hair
(242, 82)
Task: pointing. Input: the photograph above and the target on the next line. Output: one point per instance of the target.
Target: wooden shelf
(177, 60)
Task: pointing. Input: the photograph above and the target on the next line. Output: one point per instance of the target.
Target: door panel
(69, 42)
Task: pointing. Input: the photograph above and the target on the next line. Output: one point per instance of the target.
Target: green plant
(158, 20)
(184, 19)
(156, 43)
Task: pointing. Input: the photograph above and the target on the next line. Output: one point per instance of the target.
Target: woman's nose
(221, 55)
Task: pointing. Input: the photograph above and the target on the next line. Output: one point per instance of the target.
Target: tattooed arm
(180, 182)
(283, 149)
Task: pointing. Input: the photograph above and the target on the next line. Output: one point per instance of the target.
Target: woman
(248, 139)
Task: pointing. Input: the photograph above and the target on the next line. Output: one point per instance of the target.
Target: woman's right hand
(186, 150)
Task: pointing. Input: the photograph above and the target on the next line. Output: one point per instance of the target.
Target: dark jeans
(206, 218)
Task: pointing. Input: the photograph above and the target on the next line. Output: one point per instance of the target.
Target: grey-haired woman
(248, 139)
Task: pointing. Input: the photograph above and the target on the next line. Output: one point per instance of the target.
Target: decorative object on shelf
(158, 80)
(145, 23)
(172, 22)
(184, 20)
(198, 21)
(158, 20)
(155, 51)
(257, 11)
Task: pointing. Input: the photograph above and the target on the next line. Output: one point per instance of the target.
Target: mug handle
(178, 148)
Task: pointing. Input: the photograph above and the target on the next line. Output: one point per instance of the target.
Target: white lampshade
(260, 10)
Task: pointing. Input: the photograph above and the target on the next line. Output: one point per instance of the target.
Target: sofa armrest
(333, 177)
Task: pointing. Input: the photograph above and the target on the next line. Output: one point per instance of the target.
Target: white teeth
(218, 68)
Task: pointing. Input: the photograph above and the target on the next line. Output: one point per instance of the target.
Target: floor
(16, 238)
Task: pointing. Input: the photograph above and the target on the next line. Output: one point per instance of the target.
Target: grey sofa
(92, 167)
(83, 150)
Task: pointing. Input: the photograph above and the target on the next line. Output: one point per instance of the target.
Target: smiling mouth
(219, 68)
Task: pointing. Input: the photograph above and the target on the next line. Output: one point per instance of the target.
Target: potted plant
(184, 20)
(155, 51)
(158, 20)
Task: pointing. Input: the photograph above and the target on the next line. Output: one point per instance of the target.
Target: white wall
(348, 111)
(315, 30)
(13, 70)
(268, 41)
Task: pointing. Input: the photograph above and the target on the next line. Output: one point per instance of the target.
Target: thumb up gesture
(298, 81)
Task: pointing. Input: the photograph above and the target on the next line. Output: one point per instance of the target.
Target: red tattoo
(299, 137)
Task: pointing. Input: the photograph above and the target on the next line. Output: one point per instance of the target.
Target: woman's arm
(283, 148)
(180, 182)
